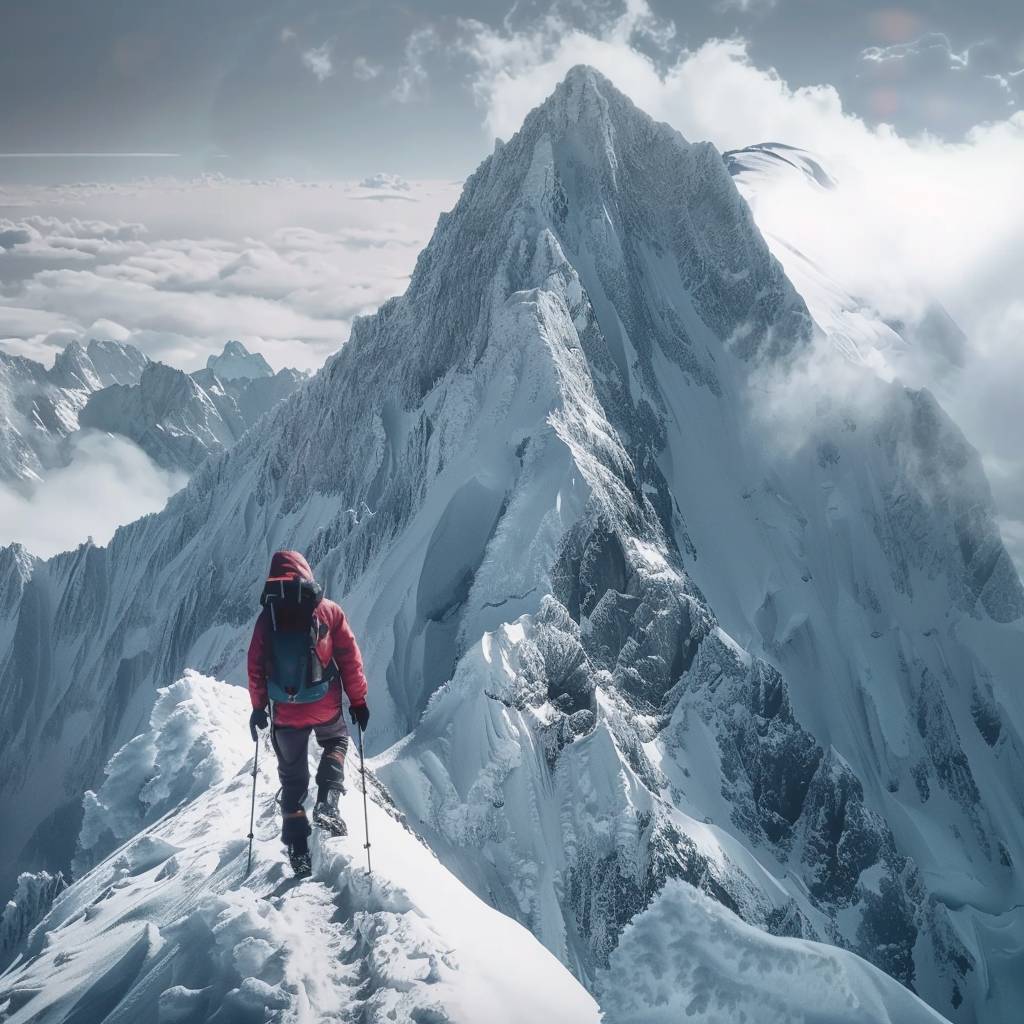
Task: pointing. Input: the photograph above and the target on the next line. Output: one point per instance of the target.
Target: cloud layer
(182, 267)
(110, 481)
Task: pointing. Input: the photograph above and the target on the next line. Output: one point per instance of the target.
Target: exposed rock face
(621, 636)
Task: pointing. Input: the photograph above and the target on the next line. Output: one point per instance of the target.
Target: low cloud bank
(109, 482)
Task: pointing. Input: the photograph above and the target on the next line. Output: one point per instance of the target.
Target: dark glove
(257, 720)
(360, 715)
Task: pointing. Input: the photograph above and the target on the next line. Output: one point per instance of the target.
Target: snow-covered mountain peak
(579, 195)
(97, 365)
(236, 362)
(616, 635)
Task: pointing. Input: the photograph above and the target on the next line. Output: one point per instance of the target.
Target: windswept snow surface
(632, 607)
(166, 928)
(688, 958)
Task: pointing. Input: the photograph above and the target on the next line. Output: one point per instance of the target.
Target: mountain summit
(236, 362)
(623, 637)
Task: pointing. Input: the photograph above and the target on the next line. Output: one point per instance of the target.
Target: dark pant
(291, 745)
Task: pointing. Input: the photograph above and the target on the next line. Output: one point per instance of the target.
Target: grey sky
(347, 87)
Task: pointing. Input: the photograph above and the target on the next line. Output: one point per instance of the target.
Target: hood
(289, 565)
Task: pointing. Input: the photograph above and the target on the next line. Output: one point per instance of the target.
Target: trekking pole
(252, 809)
(366, 816)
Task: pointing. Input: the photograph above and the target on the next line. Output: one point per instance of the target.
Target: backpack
(295, 674)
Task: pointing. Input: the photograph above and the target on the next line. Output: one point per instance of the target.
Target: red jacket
(338, 642)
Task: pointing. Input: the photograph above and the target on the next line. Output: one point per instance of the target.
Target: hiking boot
(302, 864)
(327, 816)
(295, 832)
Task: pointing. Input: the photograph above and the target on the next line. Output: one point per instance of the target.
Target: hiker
(301, 656)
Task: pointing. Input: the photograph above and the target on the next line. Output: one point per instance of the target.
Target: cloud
(22, 322)
(48, 238)
(929, 73)
(933, 48)
(745, 6)
(365, 70)
(318, 60)
(412, 75)
(110, 481)
(379, 180)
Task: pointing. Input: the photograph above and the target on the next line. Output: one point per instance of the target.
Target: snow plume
(686, 957)
(785, 399)
(109, 481)
(913, 221)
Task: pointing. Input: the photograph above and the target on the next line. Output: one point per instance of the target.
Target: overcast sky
(343, 88)
(178, 174)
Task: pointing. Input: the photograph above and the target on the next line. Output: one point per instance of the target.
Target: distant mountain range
(177, 418)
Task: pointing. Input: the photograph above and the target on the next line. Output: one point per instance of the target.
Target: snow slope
(637, 604)
(166, 927)
(687, 957)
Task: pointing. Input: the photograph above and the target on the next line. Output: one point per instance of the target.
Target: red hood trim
(289, 565)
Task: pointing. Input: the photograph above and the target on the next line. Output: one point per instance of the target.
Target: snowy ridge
(166, 927)
(614, 636)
